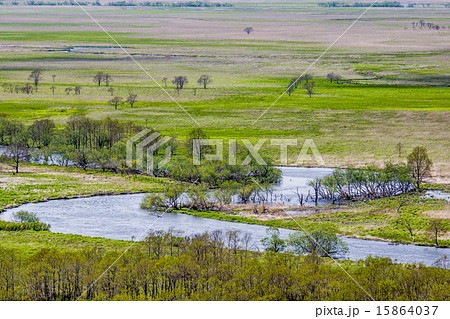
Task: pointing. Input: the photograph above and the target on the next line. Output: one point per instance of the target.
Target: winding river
(120, 217)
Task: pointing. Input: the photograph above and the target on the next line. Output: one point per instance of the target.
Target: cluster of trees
(373, 182)
(334, 77)
(35, 77)
(308, 84)
(360, 184)
(180, 82)
(85, 142)
(202, 198)
(421, 24)
(336, 4)
(318, 240)
(82, 142)
(209, 266)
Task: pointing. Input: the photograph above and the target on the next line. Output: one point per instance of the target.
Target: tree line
(89, 143)
(123, 3)
(384, 4)
(209, 266)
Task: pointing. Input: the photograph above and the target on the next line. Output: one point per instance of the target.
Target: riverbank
(378, 219)
(40, 183)
(401, 220)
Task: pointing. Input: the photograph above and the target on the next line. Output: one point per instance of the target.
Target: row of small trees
(372, 182)
(421, 24)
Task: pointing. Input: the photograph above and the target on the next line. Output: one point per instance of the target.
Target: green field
(393, 90)
(394, 86)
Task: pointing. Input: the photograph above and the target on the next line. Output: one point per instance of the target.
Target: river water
(120, 217)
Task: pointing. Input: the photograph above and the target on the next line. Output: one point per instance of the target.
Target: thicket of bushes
(10, 226)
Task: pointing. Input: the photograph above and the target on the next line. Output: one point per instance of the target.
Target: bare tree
(180, 82)
(115, 101)
(165, 81)
(316, 185)
(292, 86)
(306, 77)
(436, 228)
(310, 87)
(98, 78)
(248, 30)
(17, 150)
(68, 90)
(420, 164)
(131, 99)
(77, 89)
(54, 77)
(107, 78)
(36, 77)
(299, 197)
(337, 78)
(53, 89)
(27, 88)
(110, 90)
(399, 147)
(330, 76)
(204, 80)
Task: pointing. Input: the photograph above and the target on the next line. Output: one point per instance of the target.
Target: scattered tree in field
(77, 89)
(27, 88)
(399, 147)
(36, 77)
(107, 78)
(204, 80)
(324, 242)
(293, 85)
(274, 243)
(310, 88)
(420, 164)
(98, 78)
(131, 99)
(333, 77)
(54, 77)
(194, 90)
(116, 101)
(165, 81)
(17, 150)
(180, 82)
(306, 77)
(53, 88)
(111, 90)
(68, 90)
(436, 228)
(330, 76)
(248, 30)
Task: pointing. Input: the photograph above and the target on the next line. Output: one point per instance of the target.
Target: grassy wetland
(380, 91)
